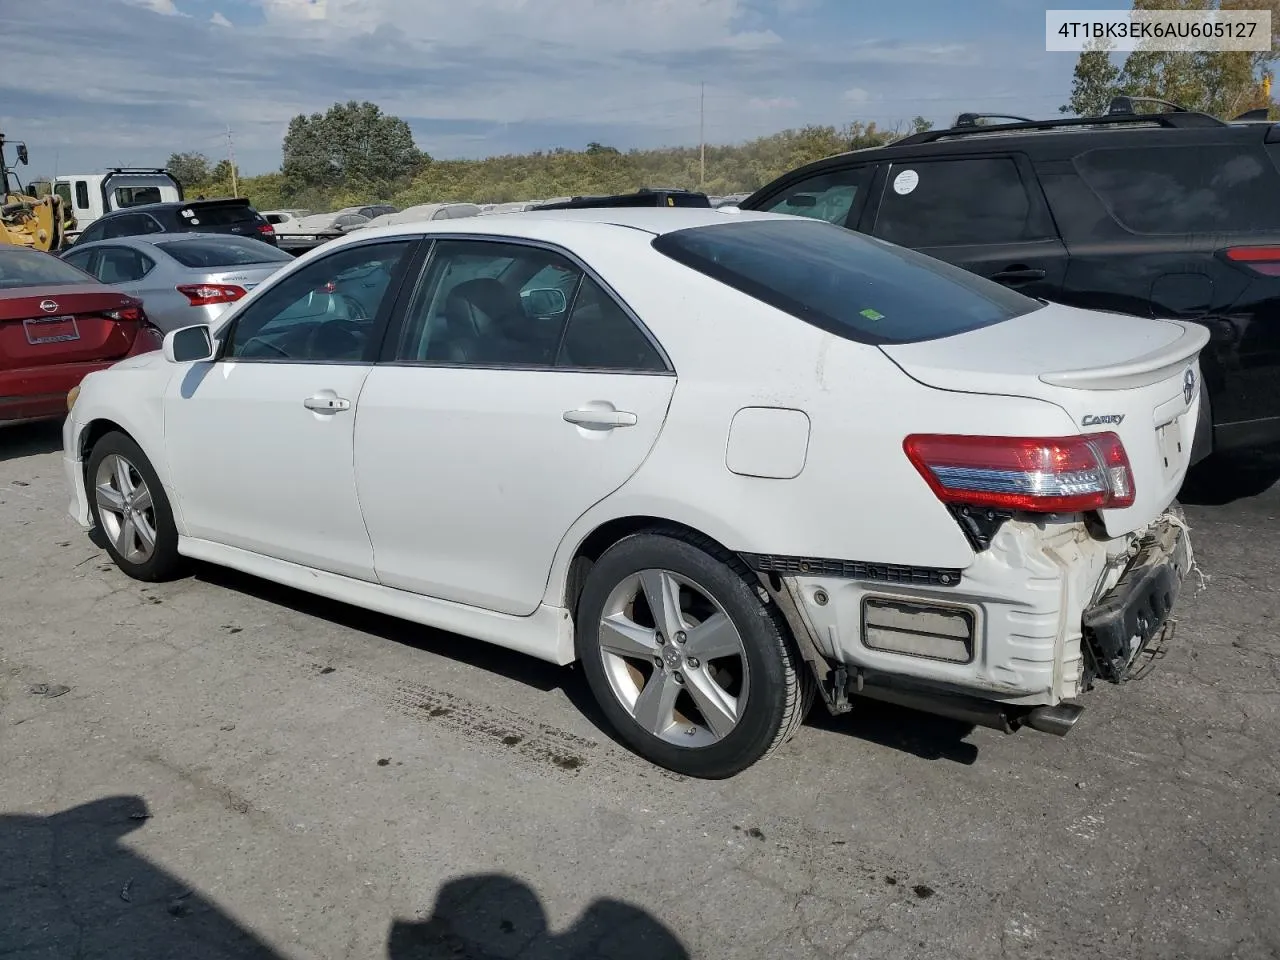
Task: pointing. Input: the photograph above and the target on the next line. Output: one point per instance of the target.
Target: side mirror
(22, 154)
(545, 301)
(188, 345)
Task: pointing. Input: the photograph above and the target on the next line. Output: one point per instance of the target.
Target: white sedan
(730, 462)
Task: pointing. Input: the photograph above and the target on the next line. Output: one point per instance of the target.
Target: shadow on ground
(920, 734)
(30, 440)
(494, 917)
(1227, 477)
(70, 888)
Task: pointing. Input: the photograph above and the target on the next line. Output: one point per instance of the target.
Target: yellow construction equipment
(27, 221)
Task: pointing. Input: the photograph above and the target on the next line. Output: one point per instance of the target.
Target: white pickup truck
(87, 196)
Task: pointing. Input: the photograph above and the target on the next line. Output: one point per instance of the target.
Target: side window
(324, 312)
(121, 265)
(82, 195)
(489, 304)
(127, 226)
(63, 190)
(96, 231)
(941, 203)
(81, 260)
(1175, 191)
(828, 196)
(601, 336)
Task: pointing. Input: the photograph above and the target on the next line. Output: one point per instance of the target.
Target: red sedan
(57, 325)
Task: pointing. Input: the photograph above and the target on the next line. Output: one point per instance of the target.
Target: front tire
(131, 509)
(692, 668)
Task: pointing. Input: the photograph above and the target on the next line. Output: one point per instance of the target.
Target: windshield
(844, 282)
(223, 252)
(30, 268)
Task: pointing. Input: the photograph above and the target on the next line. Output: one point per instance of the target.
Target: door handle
(1018, 275)
(602, 419)
(323, 404)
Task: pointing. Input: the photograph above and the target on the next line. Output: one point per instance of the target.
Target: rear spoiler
(1156, 364)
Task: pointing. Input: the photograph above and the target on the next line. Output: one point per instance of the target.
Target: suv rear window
(223, 252)
(219, 216)
(1176, 190)
(854, 286)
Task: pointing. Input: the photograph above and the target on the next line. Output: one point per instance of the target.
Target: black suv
(1173, 214)
(187, 216)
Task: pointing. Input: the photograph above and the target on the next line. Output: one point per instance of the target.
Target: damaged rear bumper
(1125, 620)
(1004, 643)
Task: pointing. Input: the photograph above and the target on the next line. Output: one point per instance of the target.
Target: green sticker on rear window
(871, 314)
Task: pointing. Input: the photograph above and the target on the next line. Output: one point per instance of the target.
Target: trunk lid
(71, 324)
(1132, 376)
(248, 276)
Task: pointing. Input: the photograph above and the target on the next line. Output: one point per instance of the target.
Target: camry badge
(1188, 385)
(49, 306)
(1092, 420)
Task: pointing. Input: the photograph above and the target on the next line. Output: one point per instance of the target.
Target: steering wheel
(264, 343)
(352, 328)
(355, 308)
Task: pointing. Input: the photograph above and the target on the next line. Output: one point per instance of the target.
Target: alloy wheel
(125, 509)
(673, 658)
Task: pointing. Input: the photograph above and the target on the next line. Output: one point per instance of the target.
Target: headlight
(72, 394)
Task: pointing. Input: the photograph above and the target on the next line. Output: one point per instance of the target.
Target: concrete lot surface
(239, 770)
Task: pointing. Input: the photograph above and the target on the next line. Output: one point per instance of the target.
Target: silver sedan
(182, 278)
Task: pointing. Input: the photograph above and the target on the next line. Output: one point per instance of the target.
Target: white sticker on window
(905, 182)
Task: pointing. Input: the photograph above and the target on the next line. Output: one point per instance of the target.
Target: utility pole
(231, 158)
(702, 137)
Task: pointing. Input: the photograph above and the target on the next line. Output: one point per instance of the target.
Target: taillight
(1038, 475)
(126, 313)
(1263, 260)
(204, 294)
(266, 229)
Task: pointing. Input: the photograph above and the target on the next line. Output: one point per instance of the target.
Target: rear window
(1177, 190)
(223, 252)
(30, 268)
(135, 196)
(852, 285)
(218, 216)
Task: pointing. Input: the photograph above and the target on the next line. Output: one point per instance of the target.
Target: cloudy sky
(96, 83)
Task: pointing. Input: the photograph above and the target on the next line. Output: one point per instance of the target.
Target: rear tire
(129, 506)
(691, 667)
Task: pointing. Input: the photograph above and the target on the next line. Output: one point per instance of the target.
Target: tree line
(354, 153)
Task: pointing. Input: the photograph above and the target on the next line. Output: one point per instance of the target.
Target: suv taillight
(266, 229)
(204, 294)
(1038, 475)
(1263, 260)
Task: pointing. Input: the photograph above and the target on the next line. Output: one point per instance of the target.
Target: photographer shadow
(497, 917)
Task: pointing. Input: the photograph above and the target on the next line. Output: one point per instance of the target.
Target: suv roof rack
(111, 170)
(975, 119)
(644, 197)
(1249, 116)
(1179, 118)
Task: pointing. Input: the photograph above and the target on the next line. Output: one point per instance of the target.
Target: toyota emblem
(1188, 385)
(49, 306)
